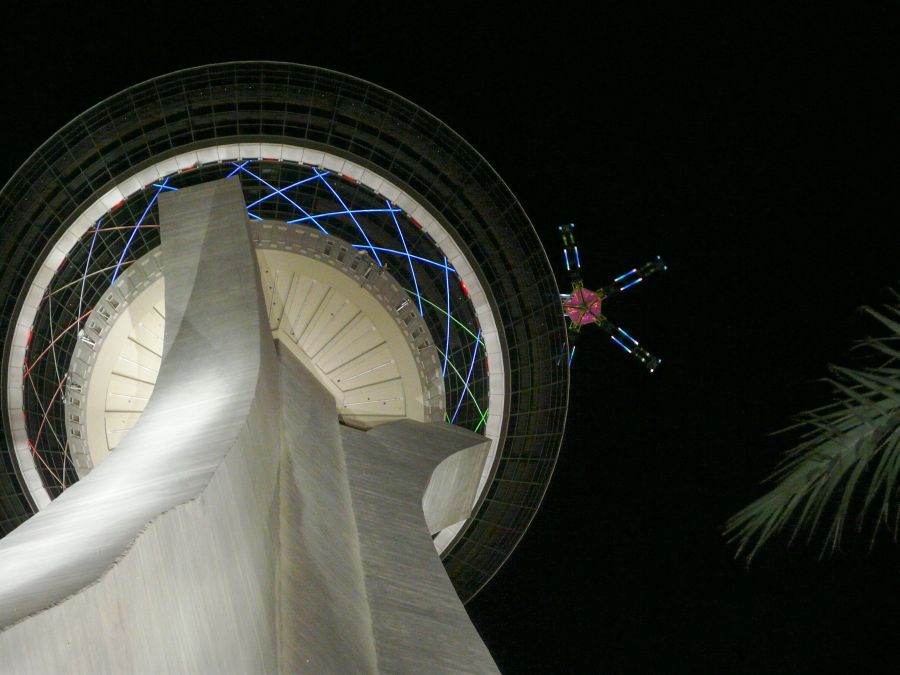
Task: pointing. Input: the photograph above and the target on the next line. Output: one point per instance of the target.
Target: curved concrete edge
(176, 491)
(193, 593)
(451, 490)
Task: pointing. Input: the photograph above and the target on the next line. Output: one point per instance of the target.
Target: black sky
(751, 149)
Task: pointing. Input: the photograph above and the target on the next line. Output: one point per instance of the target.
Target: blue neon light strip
(483, 413)
(468, 378)
(314, 218)
(571, 356)
(627, 274)
(275, 190)
(566, 254)
(411, 270)
(239, 168)
(628, 336)
(471, 395)
(350, 213)
(283, 190)
(620, 344)
(627, 286)
(85, 275)
(414, 257)
(134, 231)
(341, 213)
(577, 259)
(461, 325)
(447, 341)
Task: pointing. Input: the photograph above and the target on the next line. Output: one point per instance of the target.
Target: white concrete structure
(237, 527)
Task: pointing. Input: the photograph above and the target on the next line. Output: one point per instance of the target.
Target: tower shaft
(238, 528)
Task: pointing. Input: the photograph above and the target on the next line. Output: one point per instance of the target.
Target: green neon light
(483, 413)
(481, 421)
(452, 318)
(462, 379)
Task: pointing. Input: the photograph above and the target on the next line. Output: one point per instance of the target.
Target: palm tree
(847, 461)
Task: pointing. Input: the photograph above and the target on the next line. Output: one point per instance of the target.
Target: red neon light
(350, 179)
(189, 168)
(28, 368)
(117, 205)
(40, 430)
(122, 227)
(35, 453)
(465, 288)
(415, 222)
(28, 339)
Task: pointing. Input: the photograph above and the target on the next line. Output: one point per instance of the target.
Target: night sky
(751, 151)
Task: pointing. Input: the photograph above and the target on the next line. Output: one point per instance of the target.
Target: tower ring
(311, 147)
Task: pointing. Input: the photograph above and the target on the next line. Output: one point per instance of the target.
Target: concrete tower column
(237, 527)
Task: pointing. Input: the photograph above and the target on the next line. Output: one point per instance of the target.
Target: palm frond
(847, 459)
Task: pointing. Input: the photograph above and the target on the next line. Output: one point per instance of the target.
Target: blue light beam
(468, 378)
(85, 276)
(350, 213)
(613, 338)
(341, 213)
(275, 190)
(624, 276)
(284, 189)
(628, 336)
(411, 270)
(239, 168)
(401, 253)
(134, 231)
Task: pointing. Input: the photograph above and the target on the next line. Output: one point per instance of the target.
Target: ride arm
(570, 254)
(633, 277)
(628, 343)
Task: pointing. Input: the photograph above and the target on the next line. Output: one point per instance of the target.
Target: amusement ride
(582, 306)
